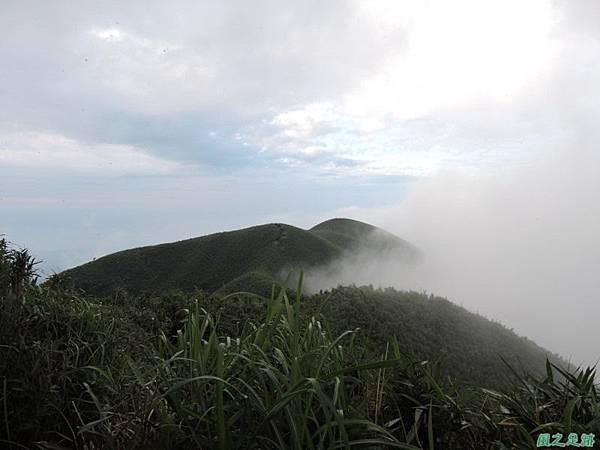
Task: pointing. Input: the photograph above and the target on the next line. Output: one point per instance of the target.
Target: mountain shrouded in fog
(263, 254)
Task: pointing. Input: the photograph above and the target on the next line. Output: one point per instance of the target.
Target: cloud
(453, 96)
(179, 79)
(192, 56)
(163, 77)
(514, 234)
(376, 83)
(33, 150)
(519, 245)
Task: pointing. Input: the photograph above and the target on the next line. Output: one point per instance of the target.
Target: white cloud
(208, 55)
(341, 79)
(55, 152)
(461, 60)
(152, 74)
(518, 244)
(306, 121)
(458, 53)
(109, 34)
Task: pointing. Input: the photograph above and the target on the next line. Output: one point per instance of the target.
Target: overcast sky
(471, 122)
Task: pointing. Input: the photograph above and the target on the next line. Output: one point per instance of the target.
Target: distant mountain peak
(212, 261)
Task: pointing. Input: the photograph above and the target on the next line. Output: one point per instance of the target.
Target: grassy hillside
(249, 260)
(352, 234)
(211, 262)
(430, 327)
(471, 347)
(245, 372)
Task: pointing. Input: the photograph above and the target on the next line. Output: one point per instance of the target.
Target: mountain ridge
(212, 261)
(254, 259)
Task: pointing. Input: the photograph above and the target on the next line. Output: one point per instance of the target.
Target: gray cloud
(102, 71)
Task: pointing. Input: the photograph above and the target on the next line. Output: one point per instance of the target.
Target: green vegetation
(243, 371)
(249, 260)
(350, 234)
(429, 327)
(211, 262)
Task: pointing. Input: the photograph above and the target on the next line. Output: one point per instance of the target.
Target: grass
(249, 260)
(110, 373)
(278, 385)
(211, 262)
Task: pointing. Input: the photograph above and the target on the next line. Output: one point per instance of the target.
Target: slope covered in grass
(352, 234)
(245, 372)
(250, 260)
(211, 262)
(429, 327)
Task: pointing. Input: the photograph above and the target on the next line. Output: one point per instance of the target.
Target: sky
(468, 128)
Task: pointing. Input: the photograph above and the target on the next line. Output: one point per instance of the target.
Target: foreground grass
(75, 376)
(115, 374)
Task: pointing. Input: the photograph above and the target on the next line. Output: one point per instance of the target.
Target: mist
(517, 240)
(520, 245)
(377, 261)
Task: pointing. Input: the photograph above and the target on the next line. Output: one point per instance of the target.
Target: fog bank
(520, 245)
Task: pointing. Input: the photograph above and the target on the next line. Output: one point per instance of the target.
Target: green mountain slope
(252, 259)
(211, 262)
(430, 327)
(353, 234)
